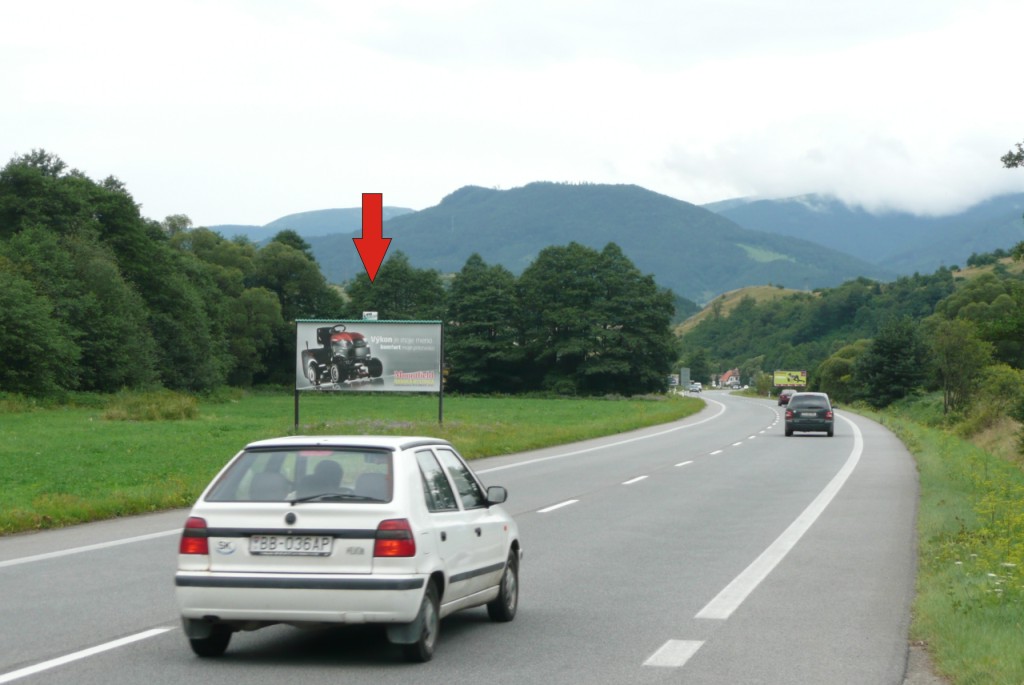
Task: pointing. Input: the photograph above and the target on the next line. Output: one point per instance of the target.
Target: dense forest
(96, 298)
(952, 331)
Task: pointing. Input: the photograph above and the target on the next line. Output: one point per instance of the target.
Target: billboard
(790, 379)
(399, 356)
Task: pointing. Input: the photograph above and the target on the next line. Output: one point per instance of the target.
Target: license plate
(291, 545)
(808, 414)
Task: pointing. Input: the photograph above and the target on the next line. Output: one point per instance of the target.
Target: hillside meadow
(130, 454)
(726, 302)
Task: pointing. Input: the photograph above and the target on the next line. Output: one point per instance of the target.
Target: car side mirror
(496, 495)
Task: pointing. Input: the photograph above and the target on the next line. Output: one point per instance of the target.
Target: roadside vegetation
(103, 457)
(969, 608)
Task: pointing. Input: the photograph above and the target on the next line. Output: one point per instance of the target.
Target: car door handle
(444, 536)
(478, 532)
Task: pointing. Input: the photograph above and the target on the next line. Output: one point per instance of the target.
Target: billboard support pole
(296, 388)
(440, 392)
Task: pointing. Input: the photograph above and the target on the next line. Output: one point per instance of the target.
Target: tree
(959, 357)
(557, 293)
(232, 262)
(400, 292)
(481, 337)
(699, 362)
(835, 375)
(293, 239)
(33, 355)
(593, 324)
(254, 325)
(893, 366)
(996, 306)
(635, 347)
(302, 290)
(1014, 159)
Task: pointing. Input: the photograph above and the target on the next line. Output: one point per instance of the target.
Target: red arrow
(372, 246)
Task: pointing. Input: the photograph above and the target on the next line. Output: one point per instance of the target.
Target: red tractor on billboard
(342, 356)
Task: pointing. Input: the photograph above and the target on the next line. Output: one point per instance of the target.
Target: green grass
(969, 607)
(71, 464)
(759, 254)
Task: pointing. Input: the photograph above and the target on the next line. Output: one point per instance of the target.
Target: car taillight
(394, 539)
(789, 413)
(194, 539)
(828, 415)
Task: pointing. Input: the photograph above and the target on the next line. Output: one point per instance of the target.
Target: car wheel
(503, 607)
(423, 649)
(830, 432)
(214, 645)
(789, 432)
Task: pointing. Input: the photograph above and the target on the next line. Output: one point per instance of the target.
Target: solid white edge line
(729, 599)
(88, 548)
(92, 651)
(634, 480)
(674, 653)
(557, 506)
(721, 410)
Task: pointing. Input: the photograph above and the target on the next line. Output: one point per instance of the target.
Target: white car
(327, 530)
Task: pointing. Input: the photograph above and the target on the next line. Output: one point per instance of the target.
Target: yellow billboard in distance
(790, 379)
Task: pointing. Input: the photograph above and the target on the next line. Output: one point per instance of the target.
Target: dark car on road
(785, 395)
(810, 412)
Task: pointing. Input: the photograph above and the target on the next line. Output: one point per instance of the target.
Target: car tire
(830, 432)
(789, 432)
(422, 650)
(214, 645)
(503, 607)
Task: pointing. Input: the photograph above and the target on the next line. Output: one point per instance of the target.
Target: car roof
(387, 442)
(820, 395)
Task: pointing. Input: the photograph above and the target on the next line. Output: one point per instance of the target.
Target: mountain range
(897, 241)
(698, 251)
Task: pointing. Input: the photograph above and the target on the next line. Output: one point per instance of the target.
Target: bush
(159, 405)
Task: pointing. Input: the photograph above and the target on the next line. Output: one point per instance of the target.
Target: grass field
(68, 465)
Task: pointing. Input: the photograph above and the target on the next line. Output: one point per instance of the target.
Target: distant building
(730, 379)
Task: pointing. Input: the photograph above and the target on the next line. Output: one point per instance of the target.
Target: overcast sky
(241, 112)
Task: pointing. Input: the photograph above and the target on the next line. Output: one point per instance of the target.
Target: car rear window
(808, 403)
(350, 475)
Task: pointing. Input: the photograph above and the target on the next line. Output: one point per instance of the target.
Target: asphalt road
(712, 550)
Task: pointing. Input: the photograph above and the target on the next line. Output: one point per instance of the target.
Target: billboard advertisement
(399, 356)
(790, 379)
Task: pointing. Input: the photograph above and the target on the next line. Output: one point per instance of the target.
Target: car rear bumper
(809, 426)
(295, 598)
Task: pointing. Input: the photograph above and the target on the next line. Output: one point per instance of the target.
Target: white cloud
(240, 112)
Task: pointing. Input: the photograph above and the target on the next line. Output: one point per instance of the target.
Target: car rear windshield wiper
(334, 497)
